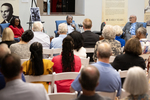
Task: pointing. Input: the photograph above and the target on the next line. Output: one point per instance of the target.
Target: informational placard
(115, 12)
(147, 12)
(8, 10)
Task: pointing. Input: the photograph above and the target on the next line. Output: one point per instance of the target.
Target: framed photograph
(35, 14)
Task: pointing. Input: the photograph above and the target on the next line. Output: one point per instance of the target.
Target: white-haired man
(57, 42)
(109, 80)
(39, 36)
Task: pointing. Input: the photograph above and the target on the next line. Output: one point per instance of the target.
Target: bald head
(89, 78)
(132, 18)
(104, 50)
(4, 50)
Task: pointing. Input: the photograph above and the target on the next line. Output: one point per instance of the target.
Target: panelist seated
(131, 27)
(16, 27)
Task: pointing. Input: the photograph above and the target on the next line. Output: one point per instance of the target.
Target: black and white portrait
(35, 14)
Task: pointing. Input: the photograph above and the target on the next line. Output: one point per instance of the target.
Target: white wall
(93, 10)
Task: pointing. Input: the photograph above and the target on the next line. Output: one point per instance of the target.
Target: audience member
(66, 62)
(16, 27)
(131, 56)
(89, 37)
(39, 36)
(57, 42)
(136, 84)
(118, 32)
(4, 51)
(15, 88)
(79, 50)
(109, 37)
(37, 65)
(22, 48)
(131, 27)
(109, 80)
(7, 12)
(89, 79)
(8, 37)
(145, 43)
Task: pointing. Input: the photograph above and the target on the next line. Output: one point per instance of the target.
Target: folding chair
(123, 74)
(89, 50)
(111, 59)
(23, 60)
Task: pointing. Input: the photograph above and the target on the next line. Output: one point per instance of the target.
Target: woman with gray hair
(109, 37)
(136, 84)
(118, 31)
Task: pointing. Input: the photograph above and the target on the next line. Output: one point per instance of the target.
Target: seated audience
(109, 37)
(39, 36)
(131, 56)
(8, 37)
(15, 88)
(89, 38)
(145, 43)
(66, 62)
(4, 51)
(89, 80)
(37, 65)
(22, 48)
(79, 50)
(16, 27)
(118, 32)
(109, 80)
(57, 42)
(136, 84)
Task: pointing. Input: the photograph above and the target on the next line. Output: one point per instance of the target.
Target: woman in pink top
(66, 62)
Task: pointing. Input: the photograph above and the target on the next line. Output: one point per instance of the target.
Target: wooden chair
(23, 60)
(62, 76)
(62, 96)
(123, 74)
(111, 59)
(111, 95)
(89, 50)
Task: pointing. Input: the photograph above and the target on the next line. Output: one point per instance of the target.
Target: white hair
(62, 28)
(118, 30)
(108, 32)
(37, 26)
(136, 82)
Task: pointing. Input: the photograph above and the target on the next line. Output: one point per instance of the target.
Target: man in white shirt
(39, 36)
(141, 35)
(15, 88)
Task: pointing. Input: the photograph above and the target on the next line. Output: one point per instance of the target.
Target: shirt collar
(63, 35)
(104, 64)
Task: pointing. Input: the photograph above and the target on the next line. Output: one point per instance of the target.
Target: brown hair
(133, 46)
(87, 23)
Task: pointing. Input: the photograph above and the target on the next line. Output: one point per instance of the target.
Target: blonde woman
(8, 37)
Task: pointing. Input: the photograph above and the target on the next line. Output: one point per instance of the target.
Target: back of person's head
(12, 22)
(8, 34)
(10, 7)
(89, 78)
(62, 28)
(136, 82)
(118, 30)
(27, 35)
(108, 32)
(104, 50)
(78, 40)
(36, 59)
(87, 23)
(11, 66)
(141, 31)
(37, 26)
(133, 46)
(67, 54)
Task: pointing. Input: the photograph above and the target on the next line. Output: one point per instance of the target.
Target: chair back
(145, 56)
(89, 50)
(3, 26)
(85, 61)
(57, 51)
(62, 96)
(144, 24)
(123, 74)
(111, 95)
(111, 59)
(123, 94)
(23, 60)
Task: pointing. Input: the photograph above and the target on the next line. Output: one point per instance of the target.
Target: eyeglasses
(131, 17)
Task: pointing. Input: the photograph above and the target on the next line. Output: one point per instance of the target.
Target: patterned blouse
(137, 97)
(115, 46)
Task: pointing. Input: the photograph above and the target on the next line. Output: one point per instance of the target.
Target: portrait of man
(7, 12)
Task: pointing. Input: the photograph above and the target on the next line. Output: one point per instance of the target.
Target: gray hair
(108, 32)
(142, 30)
(62, 28)
(4, 50)
(136, 82)
(104, 50)
(118, 30)
(37, 26)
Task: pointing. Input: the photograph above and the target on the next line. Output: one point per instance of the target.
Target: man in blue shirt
(3, 51)
(57, 42)
(109, 80)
